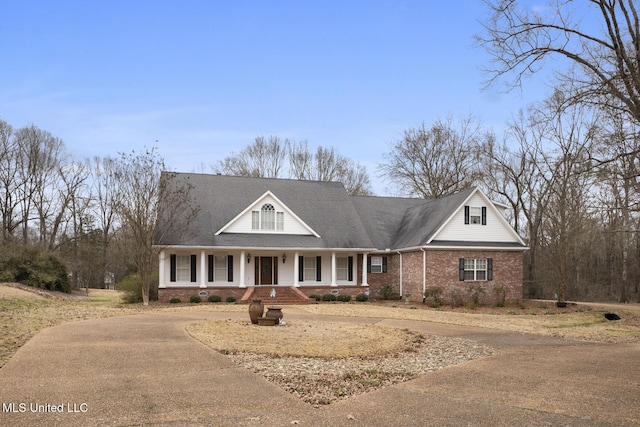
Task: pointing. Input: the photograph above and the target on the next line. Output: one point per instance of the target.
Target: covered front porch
(206, 267)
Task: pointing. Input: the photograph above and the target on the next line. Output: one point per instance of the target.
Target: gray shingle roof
(324, 206)
(342, 221)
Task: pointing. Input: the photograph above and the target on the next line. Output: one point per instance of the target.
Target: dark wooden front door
(267, 270)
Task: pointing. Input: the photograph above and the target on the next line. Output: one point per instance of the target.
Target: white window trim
(376, 263)
(268, 220)
(183, 268)
(475, 215)
(310, 270)
(475, 269)
(342, 273)
(220, 274)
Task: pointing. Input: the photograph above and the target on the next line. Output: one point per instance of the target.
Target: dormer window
(475, 215)
(267, 218)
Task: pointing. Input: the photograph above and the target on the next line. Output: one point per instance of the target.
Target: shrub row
(196, 299)
(341, 298)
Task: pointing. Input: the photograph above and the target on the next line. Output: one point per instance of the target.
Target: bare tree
(281, 158)
(143, 201)
(9, 200)
(599, 39)
(435, 161)
(327, 165)
(265, 158)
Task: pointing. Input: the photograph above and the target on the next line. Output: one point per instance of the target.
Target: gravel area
(323, 380)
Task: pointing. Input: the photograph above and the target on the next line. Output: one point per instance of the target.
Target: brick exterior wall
(442, 271)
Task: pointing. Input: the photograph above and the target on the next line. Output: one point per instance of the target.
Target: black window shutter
(210, 268)
(368, 264)
(301, 268)
(384, 264)
(461, 268)
(193, 268)
(490, 269)
(318, 268)
(466, 214)
(350, 269)
(484, 215)
(172, 268)
(229, 268)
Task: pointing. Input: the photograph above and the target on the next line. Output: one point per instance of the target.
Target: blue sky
(204, 78)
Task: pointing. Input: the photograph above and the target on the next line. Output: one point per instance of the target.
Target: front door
(267, 270)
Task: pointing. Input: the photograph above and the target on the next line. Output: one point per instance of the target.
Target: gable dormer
(478, 219)
(267, 215)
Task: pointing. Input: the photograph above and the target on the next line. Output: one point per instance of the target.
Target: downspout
(400, 253)
(424, 274)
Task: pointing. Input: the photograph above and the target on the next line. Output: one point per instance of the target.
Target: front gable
(267, 215)
(477, 219)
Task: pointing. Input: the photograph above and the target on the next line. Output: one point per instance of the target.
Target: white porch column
(161, 283)
(242, 270)
(364, 270)
(203, 269)
(333, 269)
(296, 268)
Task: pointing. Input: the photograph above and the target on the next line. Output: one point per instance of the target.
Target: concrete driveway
(147, 371)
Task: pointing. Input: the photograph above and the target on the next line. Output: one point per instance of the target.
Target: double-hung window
(476, 269)
(342, 268)
(220, 268)
(183, 268)
(376, 264)
(475, 215)
(309, 268)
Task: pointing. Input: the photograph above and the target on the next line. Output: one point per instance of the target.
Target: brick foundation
(184, 294)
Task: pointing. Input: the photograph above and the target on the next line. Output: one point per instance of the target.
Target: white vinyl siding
(496, 230)
(285, 221)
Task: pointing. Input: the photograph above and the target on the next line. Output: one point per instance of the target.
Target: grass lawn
(23, 313)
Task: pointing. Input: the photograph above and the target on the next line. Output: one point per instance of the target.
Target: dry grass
(24, 312)
(300, 338)
(579, 321)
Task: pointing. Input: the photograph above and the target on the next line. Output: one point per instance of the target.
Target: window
(376, 264)
(183, 268)
(476, 269)
(267, 218)
(475, 215)
(219, 268)
(280, 221)
(309, 268)
(342, 268)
